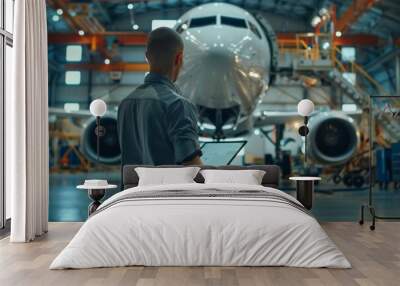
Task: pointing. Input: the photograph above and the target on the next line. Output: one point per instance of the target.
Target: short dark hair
(162, 46)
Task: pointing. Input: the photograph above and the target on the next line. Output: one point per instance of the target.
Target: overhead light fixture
(107, 61)
(338, 34)
(135, 27)
(130, 6)
(326, 45)
(254, 74)
(60, 11)
(315, 21)
(55, 18)
(81, 32)
(72, 12)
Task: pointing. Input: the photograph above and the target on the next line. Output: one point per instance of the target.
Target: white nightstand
(305, 190)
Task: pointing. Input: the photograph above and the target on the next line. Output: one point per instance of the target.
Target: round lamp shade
(305, 107)
(98, 107)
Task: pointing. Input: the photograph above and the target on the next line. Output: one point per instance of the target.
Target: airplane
(229, 61)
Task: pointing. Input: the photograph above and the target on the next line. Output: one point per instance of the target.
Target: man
(156, 125)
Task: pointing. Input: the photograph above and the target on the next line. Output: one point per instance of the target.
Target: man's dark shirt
(156, 125)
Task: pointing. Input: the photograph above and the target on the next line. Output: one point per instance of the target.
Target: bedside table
(96, 190)
(305, 190)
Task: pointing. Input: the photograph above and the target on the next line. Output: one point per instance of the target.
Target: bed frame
(271, 178)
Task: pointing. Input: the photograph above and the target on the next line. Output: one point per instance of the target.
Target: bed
(199, 224)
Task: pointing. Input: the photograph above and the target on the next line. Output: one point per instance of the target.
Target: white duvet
(200, 231)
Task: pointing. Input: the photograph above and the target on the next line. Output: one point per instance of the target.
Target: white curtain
(27, 124)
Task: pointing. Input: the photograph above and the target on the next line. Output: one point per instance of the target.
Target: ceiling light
(81, 32)
(326, 45)
(315, 21)
(60, 11)
(107, 61)
(55, 18)
(130, 6)
(338, 34)
(135, 27)
(254, 74)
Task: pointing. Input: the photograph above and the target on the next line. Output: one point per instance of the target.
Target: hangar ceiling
(380, 19)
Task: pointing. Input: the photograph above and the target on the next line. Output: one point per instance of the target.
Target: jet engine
(333, 138)
(110, 152)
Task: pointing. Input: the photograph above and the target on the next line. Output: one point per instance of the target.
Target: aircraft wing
(280, 117)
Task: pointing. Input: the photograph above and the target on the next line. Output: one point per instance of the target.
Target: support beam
(397, 75)
(353, 13)
(359, 40)
(140, 39)
(382, 59)
(125, 39)
(121, 67)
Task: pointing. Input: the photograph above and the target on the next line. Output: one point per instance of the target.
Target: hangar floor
(69, 204)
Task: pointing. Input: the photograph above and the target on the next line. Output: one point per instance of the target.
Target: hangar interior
(336, 53)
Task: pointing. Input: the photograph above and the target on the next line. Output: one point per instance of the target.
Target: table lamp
(305, 108)
(98, 108)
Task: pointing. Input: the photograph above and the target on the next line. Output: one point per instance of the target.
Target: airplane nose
(219, 57)
(216, 72)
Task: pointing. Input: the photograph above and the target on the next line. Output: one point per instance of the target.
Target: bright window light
(73, 53)
(73, 77)
(162, 23)
(348, 54)
(349, 107)
(71, 107)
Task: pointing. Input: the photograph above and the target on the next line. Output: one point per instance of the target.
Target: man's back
(156, 125)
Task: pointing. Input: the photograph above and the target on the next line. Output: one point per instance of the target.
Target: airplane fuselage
(227, 63)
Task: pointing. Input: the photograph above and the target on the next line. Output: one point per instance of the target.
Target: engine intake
(333, 138)
(110, 152)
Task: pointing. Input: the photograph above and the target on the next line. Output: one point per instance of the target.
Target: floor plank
(375, 256)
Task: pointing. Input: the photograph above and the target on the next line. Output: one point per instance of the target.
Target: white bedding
(200, 231)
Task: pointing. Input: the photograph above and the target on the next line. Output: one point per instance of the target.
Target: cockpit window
(203, 21)
(254, 29)
(235, 22)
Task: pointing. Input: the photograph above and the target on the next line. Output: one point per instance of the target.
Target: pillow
(166, 176)
(248, 177)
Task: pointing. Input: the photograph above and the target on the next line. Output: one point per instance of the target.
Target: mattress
(201, 225)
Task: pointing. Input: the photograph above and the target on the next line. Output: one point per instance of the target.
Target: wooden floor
(375, 257)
